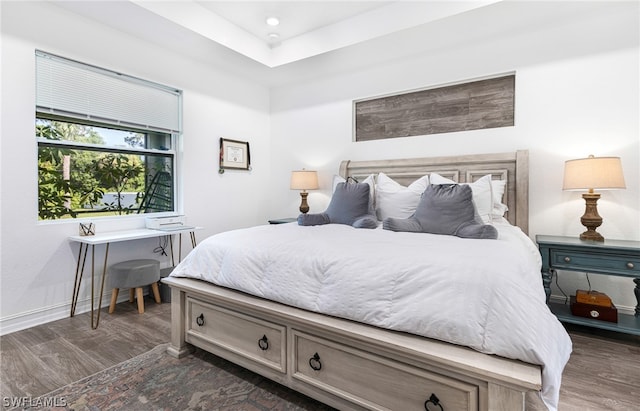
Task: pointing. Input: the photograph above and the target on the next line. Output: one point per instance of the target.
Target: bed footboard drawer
(259, 340)
(374, 382)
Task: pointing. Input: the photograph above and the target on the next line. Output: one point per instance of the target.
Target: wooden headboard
(513, 167)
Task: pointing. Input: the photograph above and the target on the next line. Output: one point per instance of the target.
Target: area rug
(156, 381)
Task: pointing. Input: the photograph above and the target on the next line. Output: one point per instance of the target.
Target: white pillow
(372, 190)
(499, 208)
(336, 180)
(395, 200)
(482, 194)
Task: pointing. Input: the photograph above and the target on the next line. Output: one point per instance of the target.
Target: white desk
(113, 237)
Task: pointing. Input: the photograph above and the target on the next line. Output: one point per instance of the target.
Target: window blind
(72, 89)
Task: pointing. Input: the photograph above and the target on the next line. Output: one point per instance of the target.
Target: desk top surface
(126, 235)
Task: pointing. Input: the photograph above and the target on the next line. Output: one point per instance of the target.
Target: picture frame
(234, 155)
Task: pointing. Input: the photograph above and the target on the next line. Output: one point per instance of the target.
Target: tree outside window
(91, 171)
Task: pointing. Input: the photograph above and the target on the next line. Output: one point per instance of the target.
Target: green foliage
(120, 172)
(54, 192)
(89, 173)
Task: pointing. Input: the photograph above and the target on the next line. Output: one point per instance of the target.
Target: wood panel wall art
(474, 105)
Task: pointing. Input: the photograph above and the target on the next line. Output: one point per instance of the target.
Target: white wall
(577, 93)
(38, 262)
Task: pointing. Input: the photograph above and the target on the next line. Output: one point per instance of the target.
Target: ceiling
(319, 38)
(306, 29)
(296, 17)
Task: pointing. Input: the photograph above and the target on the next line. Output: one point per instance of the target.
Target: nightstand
(282, 220)
(610, 257)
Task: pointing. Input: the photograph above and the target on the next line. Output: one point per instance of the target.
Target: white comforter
(484, 294)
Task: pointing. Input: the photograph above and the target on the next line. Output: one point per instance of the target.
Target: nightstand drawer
(596, 262)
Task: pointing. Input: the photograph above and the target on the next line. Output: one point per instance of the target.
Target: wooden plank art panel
(474, 105)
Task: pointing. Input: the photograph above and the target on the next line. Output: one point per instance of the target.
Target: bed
(377, 319)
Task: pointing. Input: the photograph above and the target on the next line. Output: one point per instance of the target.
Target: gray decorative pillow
(444, 209)
(366, 222)
(313, 219)
(349, 205)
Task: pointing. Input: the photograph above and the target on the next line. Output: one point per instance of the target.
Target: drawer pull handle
(433, 400)
(314, 362)
(263, 343)
(567, 259)
(200, 320)
(630, 266)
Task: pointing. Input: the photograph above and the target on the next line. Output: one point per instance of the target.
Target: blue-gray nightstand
(610, 257)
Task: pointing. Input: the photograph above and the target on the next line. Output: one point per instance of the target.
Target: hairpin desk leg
(192, 235)
(78, 279)
(173, 262)
(104, 272)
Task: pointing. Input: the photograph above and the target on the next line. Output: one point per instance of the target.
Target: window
(106, 142)
(90, 171)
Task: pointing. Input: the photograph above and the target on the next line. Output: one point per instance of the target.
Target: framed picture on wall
(234, 155)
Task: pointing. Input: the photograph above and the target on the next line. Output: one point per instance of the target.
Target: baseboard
(43, 315)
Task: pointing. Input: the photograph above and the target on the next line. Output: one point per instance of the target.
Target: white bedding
(484, 294)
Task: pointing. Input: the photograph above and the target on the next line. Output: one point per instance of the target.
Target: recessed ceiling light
(273, 21)
(274, 36)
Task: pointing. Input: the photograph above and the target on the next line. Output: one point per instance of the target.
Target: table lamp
(304, 180)
(603, 173)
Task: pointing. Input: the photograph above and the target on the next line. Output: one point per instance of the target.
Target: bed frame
(349, 365)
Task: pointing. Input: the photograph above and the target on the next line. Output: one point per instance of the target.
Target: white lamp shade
(593, 173)
(304, 180)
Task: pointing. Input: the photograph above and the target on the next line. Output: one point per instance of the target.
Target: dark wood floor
(603, 372)
(38, 360)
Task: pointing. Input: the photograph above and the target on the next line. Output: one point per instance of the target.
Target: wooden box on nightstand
(597, 312)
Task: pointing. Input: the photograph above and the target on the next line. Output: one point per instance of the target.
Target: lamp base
(304, 206)
(591, 236)
(591, 219)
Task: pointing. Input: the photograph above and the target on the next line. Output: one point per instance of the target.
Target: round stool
(134, 274)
